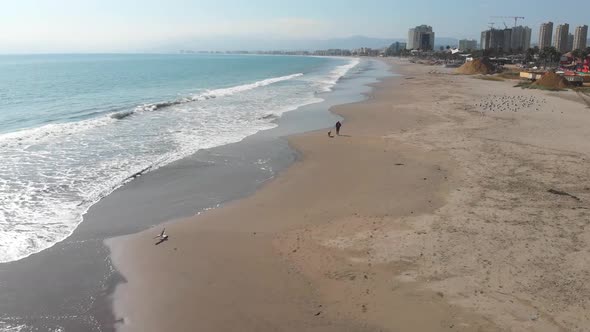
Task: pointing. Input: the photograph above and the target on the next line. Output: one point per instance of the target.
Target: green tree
(549, 55)
(477, 53)
(577, 53)
(529, 55)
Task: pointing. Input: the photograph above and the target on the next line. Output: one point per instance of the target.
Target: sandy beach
(447, 203)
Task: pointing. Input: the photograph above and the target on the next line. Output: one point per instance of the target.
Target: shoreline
(271, 247)
(433, 211)
(117, 244)
(79, 269)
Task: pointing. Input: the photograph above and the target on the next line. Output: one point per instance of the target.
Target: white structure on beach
(421, 37)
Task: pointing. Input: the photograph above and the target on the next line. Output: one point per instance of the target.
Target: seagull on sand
(162, 237)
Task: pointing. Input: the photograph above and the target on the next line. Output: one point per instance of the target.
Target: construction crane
(515, 18)
(491, 24)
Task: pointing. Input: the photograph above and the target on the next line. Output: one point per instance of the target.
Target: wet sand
(430, 213)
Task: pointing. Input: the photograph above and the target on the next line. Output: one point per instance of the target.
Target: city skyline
(133, 25)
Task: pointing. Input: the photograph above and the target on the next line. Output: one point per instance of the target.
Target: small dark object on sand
(563, 193)
(330, 134)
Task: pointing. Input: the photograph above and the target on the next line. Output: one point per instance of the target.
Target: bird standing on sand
(162, 237)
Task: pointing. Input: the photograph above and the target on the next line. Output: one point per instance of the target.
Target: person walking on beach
(338, 125)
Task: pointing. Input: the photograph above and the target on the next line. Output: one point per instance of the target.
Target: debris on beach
(501, 103)
(477, 66)
(562, 193)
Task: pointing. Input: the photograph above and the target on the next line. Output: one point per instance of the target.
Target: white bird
(161, 237)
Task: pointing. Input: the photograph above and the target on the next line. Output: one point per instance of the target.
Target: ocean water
(73, 128)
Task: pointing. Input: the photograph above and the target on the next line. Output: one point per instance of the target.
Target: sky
(46, 26)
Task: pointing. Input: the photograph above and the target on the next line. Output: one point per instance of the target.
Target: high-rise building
(545, 33)
(396, 48)
(467, 44)
(421, 37)
(485, 40)
(495, 39)
(521, 39)
(580, 36)
(506, 40)
(570, 42)
(561, 37)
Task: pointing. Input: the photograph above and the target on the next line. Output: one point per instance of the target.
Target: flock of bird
(495, 103)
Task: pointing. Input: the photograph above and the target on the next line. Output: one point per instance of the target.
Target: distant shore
(428, 213)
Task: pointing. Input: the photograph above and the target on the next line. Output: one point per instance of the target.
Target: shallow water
(73, 128)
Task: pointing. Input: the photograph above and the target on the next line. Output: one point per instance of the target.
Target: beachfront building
(496, 39)
(484, 42)
(333, 52)
(421, 38)
(580, 37)
(545, 33)
(561, 37)
(570, 42)
(507, 39)
(521, 39)
(396, 48)
(467, 44)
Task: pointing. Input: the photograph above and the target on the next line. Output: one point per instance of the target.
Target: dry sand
(477, 66)
(432, 213)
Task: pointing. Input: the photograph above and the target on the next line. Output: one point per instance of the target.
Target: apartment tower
(521, 38)
(421, 37)
(580, 37)
(545, 33)
(561, 37)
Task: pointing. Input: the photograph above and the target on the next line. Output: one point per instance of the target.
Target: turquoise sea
(73, 128)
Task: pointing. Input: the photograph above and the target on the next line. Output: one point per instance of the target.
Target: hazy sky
(134, 25)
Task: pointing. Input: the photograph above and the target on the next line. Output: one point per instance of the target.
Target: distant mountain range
(266, 44)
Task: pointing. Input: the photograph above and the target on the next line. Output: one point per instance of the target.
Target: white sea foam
(338, 72)
(5, 327)
(223, 92)
(51, 175)
(241, 88)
